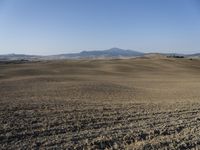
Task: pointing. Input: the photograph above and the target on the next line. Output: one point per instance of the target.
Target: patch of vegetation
(175, 56)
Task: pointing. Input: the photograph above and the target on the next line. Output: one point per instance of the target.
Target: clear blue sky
(65, 26)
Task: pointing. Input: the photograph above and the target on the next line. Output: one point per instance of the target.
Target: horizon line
(79, 51)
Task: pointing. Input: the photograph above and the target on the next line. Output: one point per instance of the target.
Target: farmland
(140, 103)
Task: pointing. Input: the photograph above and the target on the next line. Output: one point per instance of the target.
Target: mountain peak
(112, 52)
(115, 49)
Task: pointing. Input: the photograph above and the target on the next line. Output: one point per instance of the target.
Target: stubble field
(141, 103)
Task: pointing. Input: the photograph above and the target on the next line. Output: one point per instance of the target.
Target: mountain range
(96, 54)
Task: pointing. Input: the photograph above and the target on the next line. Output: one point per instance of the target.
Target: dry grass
(143, 103)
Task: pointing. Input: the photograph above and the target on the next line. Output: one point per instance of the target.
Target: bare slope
(131, 79)
(133, 103)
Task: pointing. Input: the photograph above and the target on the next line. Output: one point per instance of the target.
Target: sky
(46, 27)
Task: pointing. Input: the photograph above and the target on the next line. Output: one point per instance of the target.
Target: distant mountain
(113, 52)
(10, 57)
(110, 53)
(197, 55)
(95, 54)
